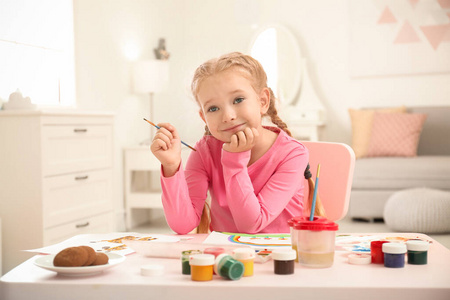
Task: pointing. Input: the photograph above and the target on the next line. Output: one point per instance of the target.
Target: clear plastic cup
(294, 233)
(315, 242)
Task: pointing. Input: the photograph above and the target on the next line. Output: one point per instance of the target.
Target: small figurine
(161, 52)
(17, 101)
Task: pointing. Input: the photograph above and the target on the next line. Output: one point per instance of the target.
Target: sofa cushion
(361, 120)
(393, 173)
(395, 134)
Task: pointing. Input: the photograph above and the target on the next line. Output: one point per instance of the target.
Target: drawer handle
(82, 177)
(80, 130)
(82, 225)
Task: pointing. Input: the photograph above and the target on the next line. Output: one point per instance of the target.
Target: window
(36, 51)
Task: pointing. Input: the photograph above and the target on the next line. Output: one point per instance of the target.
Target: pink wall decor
(395, 37)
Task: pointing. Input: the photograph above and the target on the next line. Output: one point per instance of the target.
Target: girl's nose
(229, 114)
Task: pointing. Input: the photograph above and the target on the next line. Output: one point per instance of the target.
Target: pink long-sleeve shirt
(258, 198)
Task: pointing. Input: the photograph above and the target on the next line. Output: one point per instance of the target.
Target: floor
(346, 225)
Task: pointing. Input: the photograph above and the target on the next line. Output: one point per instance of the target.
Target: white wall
(196, 30)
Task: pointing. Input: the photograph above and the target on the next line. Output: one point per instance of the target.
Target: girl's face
(228, 104)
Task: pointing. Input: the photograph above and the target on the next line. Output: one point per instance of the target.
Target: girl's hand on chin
(242, 140)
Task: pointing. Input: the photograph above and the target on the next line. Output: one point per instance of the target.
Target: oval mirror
(276, 48)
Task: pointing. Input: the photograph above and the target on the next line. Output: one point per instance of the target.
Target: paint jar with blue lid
(394, 255)
(417, 252)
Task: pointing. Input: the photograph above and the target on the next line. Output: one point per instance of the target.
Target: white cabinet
(305, 131)
(56, 178)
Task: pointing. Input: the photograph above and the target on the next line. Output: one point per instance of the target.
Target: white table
(341, 281)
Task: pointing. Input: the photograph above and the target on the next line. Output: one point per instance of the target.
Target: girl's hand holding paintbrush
(166, 147)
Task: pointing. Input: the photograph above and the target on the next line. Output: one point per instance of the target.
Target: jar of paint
(214, 251)
(284, 261)
(315, 242)
(246, 256)
(394, 255)
(185, 267)
(376, 253)
(417, 252)
(201, 267)
(228, 267)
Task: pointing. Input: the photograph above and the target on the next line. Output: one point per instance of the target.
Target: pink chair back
(337, 162)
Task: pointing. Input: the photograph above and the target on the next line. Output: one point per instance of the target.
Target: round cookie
(71, 257)
(91, 255)
(101, 259)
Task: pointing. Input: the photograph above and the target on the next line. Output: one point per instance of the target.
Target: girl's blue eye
(213, 109)
(238, 100)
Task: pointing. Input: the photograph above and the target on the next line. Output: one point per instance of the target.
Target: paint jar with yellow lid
(202, 267)
(247, 257)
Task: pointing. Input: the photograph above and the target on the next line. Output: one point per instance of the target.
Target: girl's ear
(200, 112)
(264, 98)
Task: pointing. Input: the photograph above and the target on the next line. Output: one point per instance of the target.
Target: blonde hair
(255, 73)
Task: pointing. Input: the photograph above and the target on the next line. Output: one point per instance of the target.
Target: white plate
(46, 262)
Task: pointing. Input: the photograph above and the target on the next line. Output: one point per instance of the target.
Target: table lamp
(149, 77)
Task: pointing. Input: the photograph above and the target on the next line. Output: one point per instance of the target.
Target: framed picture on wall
(399, 37)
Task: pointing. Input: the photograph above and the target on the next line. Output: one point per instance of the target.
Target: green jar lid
(228, 267)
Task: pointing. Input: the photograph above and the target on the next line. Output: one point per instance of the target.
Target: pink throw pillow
(395, 134)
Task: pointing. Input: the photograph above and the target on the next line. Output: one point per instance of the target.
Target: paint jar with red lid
(315, 242)
(376, 252)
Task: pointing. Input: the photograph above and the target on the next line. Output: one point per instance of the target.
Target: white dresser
(56, 178)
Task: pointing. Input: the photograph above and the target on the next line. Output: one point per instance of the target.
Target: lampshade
(150, 76)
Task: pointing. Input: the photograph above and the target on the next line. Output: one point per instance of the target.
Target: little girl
(254, 173)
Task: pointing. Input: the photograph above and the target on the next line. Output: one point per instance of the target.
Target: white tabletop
(341, 281)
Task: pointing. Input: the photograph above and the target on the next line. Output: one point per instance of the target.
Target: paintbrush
(316, 188)
(160, 127)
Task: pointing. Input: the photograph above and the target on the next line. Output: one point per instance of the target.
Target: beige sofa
(376, 179)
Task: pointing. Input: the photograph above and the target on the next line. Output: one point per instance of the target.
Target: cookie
(91, 255)
(71, 257)
(101, 259)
